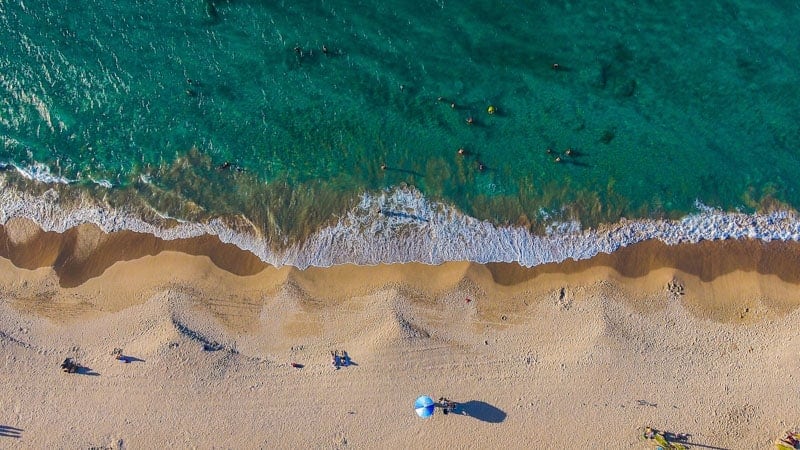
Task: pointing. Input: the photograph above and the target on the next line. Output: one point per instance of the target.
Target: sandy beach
(698, 338)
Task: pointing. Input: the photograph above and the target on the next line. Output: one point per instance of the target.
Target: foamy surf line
(401, 225)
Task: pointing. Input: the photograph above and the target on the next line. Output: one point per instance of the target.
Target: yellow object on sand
(790, 442)
(491, 109)
(658, 440)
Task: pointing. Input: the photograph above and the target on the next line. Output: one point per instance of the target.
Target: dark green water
(662, 105)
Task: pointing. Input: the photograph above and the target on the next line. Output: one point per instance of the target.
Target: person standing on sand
(447, 405)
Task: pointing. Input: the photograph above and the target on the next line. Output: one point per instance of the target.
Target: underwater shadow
(574, 162)
(401, 170)
(481, 411)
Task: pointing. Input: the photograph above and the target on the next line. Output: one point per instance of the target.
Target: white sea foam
(44, 174)
(105, 183)
(401, 225)
(41, 172)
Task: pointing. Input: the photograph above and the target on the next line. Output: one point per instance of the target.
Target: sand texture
(699, 339)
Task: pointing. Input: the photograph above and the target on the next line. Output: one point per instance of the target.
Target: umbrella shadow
(9, 431)
(481, 411)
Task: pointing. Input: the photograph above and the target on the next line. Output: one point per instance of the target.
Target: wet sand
(697, 338)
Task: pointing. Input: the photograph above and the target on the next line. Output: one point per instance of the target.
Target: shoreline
(700, 272)
(691, 338)
(402, 226)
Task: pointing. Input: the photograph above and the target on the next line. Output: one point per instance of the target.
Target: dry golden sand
(698, 339)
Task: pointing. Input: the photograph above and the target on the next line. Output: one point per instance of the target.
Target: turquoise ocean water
(285, 116)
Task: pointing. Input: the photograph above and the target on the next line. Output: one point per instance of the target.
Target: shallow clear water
(662, 105)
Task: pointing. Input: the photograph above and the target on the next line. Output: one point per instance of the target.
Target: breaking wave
(400, 225)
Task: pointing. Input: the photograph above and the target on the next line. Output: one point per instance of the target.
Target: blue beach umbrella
(424, 406)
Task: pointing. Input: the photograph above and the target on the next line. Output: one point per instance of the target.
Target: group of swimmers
(558, 159)
(301, 53)
(461, 151)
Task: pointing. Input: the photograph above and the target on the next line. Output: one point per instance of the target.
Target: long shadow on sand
(9, 431)
(481, 411)
(671, 438)
(129, 359)
(688, 444)
(83, 370)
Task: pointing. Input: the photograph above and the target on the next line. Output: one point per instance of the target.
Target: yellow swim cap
(491, 109)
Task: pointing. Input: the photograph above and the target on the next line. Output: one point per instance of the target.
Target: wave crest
(400, 225)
